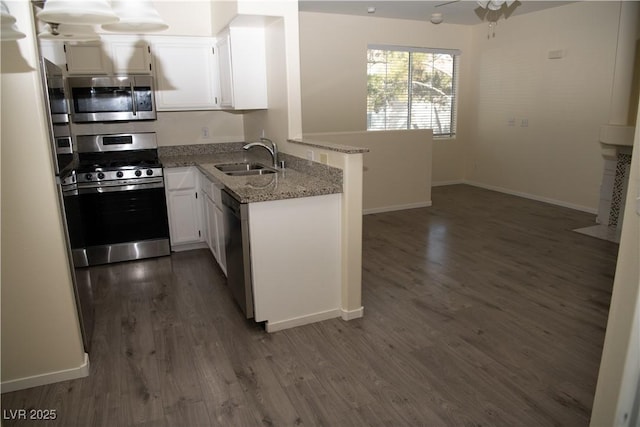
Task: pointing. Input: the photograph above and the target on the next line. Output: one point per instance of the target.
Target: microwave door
(106, 99)
(102, 104)
(56, 98)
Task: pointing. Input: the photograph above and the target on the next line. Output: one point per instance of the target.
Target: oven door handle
(133, 99)
(116, 188)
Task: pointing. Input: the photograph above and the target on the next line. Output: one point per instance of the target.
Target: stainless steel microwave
(111, 99)
(56, 99)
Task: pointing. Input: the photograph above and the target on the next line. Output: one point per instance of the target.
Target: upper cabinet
(87, 58)
(243, 68)
(130, 56)
(191, 73)
(110, 55)
(186, 71)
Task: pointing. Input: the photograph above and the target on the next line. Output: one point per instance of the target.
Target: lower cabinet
(222, 255)
(213, 219)
(194, 205)
(183, 207)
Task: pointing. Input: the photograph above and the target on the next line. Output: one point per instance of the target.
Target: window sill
(444, 138)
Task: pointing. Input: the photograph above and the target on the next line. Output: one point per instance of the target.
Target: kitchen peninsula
(294, 226)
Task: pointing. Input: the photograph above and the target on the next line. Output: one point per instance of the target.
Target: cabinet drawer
(207, 186)
(180, 178)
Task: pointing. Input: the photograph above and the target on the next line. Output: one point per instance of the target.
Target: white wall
(557, 156)
(619, 375)
(185, 18)
(178, 127)
(275, 120)
(40, 329)
(396, 170)
(283, 118)
(333, 64)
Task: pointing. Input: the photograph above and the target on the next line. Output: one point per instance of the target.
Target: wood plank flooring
(483, 310)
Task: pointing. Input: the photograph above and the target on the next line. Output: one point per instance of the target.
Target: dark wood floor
(483, 310)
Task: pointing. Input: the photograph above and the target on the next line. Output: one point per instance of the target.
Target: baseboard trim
(533, 197)
(396, 208)
(352, 314)
(189, 247)
(302, 320)
(443, 183)
(48, 378)
(520, 194)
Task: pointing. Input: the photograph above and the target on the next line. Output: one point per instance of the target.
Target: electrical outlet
(524, 123)
(324, 158)
(310, 155)
(511, 121)
(205, 132)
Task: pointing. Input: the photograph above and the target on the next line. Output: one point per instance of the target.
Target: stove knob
(119, 174)
(88, 176)
(138, 172)
(100, 175)
(149, 171)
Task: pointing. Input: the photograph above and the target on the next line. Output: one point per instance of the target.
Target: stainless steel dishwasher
(237, 249)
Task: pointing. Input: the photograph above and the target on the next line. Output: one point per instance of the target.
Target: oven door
(109, 99)
(124, 223)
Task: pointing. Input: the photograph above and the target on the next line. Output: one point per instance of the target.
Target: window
(429, 102)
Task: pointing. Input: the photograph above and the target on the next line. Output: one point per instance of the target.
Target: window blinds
(412, 88)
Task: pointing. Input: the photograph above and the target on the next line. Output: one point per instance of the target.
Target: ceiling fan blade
(446, 3)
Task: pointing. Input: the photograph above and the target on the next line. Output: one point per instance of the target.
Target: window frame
(455, 53)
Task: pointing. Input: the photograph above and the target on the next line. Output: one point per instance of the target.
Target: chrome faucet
(273, 150)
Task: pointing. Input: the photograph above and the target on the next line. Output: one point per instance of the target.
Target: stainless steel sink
(243, 169)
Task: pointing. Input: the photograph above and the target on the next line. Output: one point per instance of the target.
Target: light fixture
(85, 12)
(73, 32)
(8, 29)
(371, 9)
(436, 18)
(136, 16)
(494, 4)
(492, 10)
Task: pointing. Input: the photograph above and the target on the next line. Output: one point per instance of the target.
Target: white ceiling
(463, 12)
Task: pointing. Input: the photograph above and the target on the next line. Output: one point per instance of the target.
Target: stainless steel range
(121, 195)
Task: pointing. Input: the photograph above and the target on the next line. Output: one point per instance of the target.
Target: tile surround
(619, 188)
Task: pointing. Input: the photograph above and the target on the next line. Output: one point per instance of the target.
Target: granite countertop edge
(330, 146)
(299, 179)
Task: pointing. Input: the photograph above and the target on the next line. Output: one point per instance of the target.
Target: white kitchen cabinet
(90, 58)
(110, 55)
(186, 73)
(130, 56)
(212, 227)
(54, 52)
(242, 68)
(214, 220)
(183, 207)
(222, 255)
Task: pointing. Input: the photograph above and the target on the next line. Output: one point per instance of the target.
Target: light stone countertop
(330, 146)
(300, 178)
